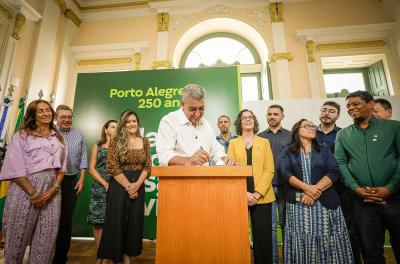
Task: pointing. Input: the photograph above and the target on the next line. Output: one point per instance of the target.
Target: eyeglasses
(247, 118)
(310, 127)
(330, 111)
(66, 117)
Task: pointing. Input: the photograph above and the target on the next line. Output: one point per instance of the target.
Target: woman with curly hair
(250, 149)
(128, 164)
(35, 163)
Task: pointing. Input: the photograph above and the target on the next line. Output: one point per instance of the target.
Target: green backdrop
(152, 94)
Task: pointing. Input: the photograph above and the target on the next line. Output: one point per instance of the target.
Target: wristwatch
(57, 186)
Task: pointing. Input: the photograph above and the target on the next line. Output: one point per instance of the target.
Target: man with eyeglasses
(368, 155)
(73, 181)
(326, 134)
(327, 130)
(185, 137)
(280, 139)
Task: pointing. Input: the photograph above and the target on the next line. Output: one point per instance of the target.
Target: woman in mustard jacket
(250, 149)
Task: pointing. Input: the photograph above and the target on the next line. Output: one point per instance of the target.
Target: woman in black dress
(97, 168)
(128, 164)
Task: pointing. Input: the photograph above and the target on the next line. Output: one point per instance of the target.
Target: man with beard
(326, 134)
(368, 156)
(279, 139)
(224, 125)
(327, 130)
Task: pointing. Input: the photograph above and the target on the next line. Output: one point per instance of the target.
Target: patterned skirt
(23, 224)
(97, 204)
(315, 234)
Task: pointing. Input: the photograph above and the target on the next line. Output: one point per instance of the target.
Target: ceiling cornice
(24, 8)
(114, 9)
(115, 4)
(348, 33)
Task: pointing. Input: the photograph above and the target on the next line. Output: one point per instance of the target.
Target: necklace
(248, 140)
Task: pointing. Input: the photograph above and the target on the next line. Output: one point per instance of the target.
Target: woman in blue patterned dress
(315, 229)
(97, 168)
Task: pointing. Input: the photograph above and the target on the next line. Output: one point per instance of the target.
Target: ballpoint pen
(210, 161)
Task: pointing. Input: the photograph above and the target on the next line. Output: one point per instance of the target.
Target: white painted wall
(309, 109)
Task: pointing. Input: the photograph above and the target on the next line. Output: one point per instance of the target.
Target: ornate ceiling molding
(352, 45)
(5, 12)
(68, 13)
(281, 56)
(347, 33)
(92, 62)
(260, 16)
(218, 9)
(21, 6)
(109, 53)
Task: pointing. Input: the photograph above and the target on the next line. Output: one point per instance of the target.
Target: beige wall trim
(19, 22)
(163, 22)
(276, 12)
(310, 50)
(281, 56)
(138, 58)
(68, 13)
(352, 45)
(5, 11)
(73, 17)
(161, 64)
(105, 61)
(347, 33)
(105, 6)
(61, 4)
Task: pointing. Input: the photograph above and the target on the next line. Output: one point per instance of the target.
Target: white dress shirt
(178, 137)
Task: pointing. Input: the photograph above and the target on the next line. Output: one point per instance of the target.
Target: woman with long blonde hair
(128, 164)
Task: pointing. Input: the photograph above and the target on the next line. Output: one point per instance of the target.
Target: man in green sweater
(368, 156)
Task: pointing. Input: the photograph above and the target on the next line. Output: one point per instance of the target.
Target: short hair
(194, 91)
(364, 95)
(276, 106)
(224, 116)
(63, 107)
(333, 104)
(384, 103)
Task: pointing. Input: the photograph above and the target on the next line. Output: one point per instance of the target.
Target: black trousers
(346, 200)
(261, 222)
(68, 202)
(124, 223)
(372, 220)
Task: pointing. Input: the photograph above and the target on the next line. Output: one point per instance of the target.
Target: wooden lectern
(202, 214)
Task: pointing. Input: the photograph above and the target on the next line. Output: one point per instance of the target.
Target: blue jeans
(280, 203)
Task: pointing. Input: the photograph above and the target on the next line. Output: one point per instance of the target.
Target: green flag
(21, 112)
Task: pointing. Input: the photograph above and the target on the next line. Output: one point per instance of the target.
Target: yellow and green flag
(4, 184)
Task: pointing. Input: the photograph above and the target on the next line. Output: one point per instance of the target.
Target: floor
(84, 252)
